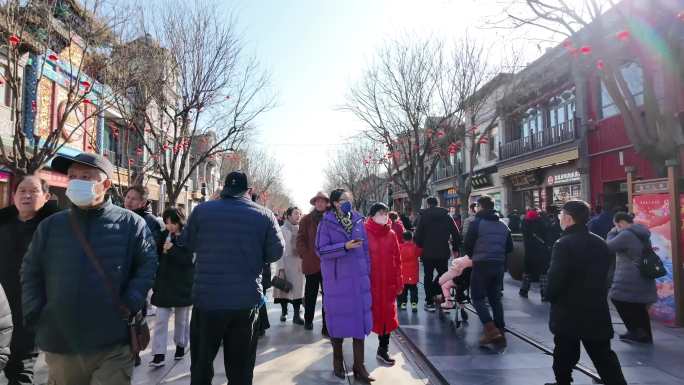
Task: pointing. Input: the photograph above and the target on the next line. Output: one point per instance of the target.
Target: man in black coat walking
(434, 229)
(578, 294)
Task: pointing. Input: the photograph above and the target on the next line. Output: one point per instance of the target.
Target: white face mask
(381, 219)
(81, 192)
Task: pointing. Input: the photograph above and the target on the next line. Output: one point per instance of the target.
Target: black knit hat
(579, 211)
(378, 206)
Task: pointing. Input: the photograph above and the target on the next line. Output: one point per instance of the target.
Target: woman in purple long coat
(342, 244)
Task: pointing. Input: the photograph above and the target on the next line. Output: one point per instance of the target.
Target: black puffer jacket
(537, 252)
(15, 237)
(5, 329)
(173, 284)
(434, 230)
(65, 298)
(577, 287)
(153, 223)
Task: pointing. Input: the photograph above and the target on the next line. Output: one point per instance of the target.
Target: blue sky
(315, 50)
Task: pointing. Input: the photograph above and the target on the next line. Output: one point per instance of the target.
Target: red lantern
(14, 40)
(440, 134)
(2, 81)
(139, 150)
(165, 147)
(85, 84)
(53, 57)
(623, 35)
(600, 64)
(585, 50)
(130, 162)
(484, 139)
(87, 101)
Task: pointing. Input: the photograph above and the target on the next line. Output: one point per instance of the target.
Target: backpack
(649, 264)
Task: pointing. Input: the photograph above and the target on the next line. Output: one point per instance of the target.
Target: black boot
(525, 286)
(338, 359)
(360, 372)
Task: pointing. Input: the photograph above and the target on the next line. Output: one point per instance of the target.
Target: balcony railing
(548, 137)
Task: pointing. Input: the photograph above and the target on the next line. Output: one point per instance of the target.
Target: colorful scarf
(345, 221)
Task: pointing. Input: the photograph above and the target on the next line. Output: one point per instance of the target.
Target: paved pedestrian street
(288, 354)
(454, 352)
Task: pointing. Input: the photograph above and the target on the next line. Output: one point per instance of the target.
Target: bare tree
(184, 78)
(603, 37)
(60, 37)
(360, 169)
(413, 99)
(264, 173)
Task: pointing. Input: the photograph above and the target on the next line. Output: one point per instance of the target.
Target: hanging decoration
(85, 84)
(440, 134)
(484, 139)
(139, 151)
(585, 50)
(600, 64)
(130, 162)
(87, 101)
(623, 35)
(14, 40)
(53, 57)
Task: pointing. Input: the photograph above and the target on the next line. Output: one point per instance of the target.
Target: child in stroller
(458, 276)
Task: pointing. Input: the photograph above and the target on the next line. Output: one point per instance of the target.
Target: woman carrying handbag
(289, 269)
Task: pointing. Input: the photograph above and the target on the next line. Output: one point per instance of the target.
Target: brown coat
(306, 239)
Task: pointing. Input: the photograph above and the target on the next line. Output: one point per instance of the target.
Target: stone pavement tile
(505, 377)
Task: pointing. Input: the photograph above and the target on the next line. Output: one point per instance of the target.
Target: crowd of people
(76, 282)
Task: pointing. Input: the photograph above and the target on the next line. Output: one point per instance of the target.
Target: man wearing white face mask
(85, 275)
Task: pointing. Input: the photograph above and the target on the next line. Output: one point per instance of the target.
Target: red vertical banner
(653, 211)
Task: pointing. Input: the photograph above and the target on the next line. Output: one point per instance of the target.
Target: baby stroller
(460, 295)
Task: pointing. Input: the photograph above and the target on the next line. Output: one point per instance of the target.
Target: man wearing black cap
(578, 294)
(87, 271)
(232, 239)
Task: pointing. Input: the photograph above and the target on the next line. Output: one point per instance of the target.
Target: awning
(546, 161)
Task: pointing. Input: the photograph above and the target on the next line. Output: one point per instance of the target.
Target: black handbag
(281, 283)
(649, 263)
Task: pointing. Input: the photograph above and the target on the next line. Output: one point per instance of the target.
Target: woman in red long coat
(386, 280)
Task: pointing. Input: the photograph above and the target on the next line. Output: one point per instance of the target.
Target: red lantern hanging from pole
(600, 64)
(623, 35)
(14, 40)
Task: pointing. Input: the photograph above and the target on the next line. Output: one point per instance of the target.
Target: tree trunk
(172, 194)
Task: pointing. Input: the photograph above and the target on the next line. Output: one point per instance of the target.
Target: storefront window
(562, 194)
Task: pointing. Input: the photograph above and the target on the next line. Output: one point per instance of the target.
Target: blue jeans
(486, 281)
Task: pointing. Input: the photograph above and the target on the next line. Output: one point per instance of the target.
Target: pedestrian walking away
(85, 275)
(5, 329)
(631, 292)
(227, 292)
(487, 242)
(18, 223)
(289, 268)
(434, 230)
(537, 253)
(172, 292)
(386, 280)
(311, 262)
(578, 294)
(410, 253)
(342, 244)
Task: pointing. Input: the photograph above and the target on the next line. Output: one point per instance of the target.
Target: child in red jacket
(410, 253)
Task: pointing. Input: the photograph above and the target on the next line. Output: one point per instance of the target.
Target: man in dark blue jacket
(80, 304)
(232, 239)
(487, 242)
